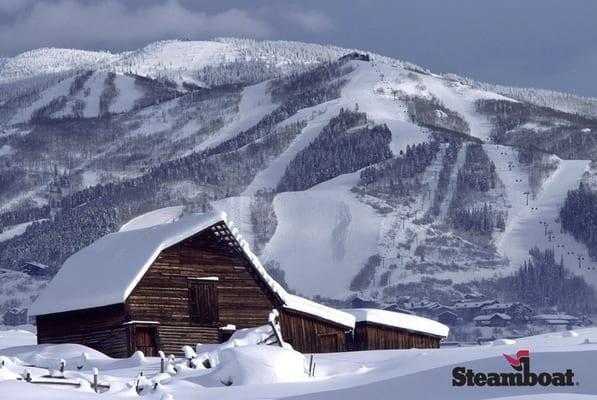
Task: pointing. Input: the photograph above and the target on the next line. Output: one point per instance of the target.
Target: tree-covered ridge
(396, 177)
(346, 144)
(578, 216)
(471, 208)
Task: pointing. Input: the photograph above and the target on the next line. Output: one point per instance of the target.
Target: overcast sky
(539, 43)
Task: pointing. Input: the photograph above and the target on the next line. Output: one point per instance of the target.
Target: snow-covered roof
(107, 271)
(36, 264)
(473, 304)
(554, 317)
(399, 320)
(489, 317)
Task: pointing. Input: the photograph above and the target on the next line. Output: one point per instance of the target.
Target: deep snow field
(268, 372)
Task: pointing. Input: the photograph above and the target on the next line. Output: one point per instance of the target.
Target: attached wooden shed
(175, 284)
(381, 329)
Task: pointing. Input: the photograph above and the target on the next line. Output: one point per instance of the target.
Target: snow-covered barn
(168, 285)
(382, 329)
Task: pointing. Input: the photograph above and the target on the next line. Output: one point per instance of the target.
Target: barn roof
(399, 320)
(107, 271)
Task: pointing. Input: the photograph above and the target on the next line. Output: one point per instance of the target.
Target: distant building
(15, 316)
(555, 320)
(33, 268)
(358, 302)
(448, 317)
(424, 307)
(469, 309)
(519, 312)
(355, 56)
(497, 320)
(397, 308)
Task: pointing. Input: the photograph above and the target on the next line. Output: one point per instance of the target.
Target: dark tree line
(109, 93)
(483, 219)
(443, 180)
(478, 172)
(544, 282)
(476, 177)
(578, 216)
(20, 216)
(344, 145)
(395, 177)
(364, 278)
(432, 113)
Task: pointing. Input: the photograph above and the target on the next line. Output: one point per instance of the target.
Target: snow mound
(250, 365)
(503, 342)
(13, 338)
(569, 334)
(50, 355)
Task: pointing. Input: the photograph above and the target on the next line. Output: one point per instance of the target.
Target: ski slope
(127, 94)
(526, 227)
(324, 237)
(255, 103)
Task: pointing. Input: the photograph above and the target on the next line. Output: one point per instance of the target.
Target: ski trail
(445, 206)
(538, 224)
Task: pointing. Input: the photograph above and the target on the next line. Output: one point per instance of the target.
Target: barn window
(203, 300)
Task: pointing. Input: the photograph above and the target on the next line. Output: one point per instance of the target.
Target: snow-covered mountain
(352, 174)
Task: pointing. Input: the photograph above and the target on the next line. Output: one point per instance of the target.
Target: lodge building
(182, 283)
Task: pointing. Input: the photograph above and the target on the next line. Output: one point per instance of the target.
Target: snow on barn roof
(399, 320)
(107, 271)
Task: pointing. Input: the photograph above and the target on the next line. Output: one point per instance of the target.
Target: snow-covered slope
(324, 236)
(51, 61)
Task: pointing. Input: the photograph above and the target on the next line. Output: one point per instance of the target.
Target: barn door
(328, 342)
(203, 298)
(145, 340)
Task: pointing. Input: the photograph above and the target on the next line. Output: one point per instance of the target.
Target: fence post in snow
(28, 375)
(162, 362)
(95, 379)
(61, 367)
(310, 364)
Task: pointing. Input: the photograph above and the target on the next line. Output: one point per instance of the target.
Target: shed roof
(399, 320)
(489, 317)
(554, 317)
(107, 271)
(473, 304)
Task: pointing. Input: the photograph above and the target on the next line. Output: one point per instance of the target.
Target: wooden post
(95, 379)
(162, 361)
(61, 367)
(28, 375)
(310, 364)
(273, 322)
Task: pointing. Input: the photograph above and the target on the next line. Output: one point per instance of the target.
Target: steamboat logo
(523, 376)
